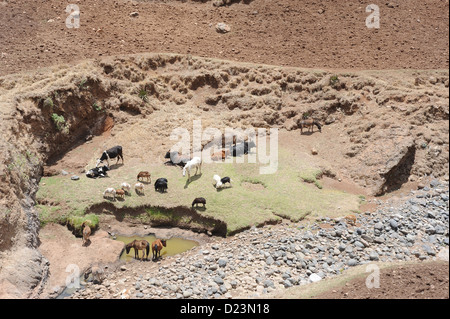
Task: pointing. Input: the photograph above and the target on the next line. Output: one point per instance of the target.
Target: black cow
(114, 152)
(161, 185)
(98, 172)
(243, 148)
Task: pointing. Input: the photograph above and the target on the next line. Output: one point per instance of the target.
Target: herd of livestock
(161, 184)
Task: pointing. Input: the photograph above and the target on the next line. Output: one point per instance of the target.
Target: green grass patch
(74, 223)
(281, 195)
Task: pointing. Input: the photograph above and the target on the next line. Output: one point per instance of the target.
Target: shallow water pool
(174, 247)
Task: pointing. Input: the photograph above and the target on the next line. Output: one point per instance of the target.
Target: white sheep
(139, 188)
(217, 181)
(111, 192)
(126, 187)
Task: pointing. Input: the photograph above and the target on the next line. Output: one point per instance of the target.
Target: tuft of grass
(60, 123)
(48, 102)
(96, 107)
(312, 177)
(74, 222)
(143, 95)
(334, 81)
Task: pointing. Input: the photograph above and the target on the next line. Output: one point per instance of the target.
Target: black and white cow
(98, 172)
(114, 152)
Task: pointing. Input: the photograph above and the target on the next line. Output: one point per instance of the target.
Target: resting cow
(98, 172)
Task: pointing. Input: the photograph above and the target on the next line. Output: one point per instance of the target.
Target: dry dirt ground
(315, 34)
(423, 281)
(318, 34)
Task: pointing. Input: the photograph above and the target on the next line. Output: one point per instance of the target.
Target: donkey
(309, 123)
(196, 163)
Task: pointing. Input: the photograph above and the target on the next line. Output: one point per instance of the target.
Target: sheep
(126, 187)
(217, 181)
(139, 188)
(110, 192)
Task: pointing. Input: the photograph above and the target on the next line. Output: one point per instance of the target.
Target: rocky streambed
(267, 260)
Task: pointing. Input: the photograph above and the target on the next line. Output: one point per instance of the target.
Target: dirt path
(65, 253)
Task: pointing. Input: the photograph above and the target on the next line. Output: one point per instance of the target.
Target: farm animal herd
(161, 184)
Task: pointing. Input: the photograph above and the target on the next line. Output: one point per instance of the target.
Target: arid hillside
(135, 70)
(308, 34)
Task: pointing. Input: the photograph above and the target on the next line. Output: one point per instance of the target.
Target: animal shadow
(87, 243)
(193, 179)
(114, 166)
(221, 189)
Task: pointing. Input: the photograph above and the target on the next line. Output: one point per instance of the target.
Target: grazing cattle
(161, 185)
(309, 124)
(114, 152)
(86, 232)
(157, 246)
(145, 175)
(196, 163)
(242, 149)
(120, 193)
(139, 188)
(126, 187)
(176, 159)
(110, 192)
(199, 200)
(139, 245)
(98, 172)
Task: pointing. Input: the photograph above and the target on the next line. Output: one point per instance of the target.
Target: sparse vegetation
(60, 123)
(143, 95)
(48, 102)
